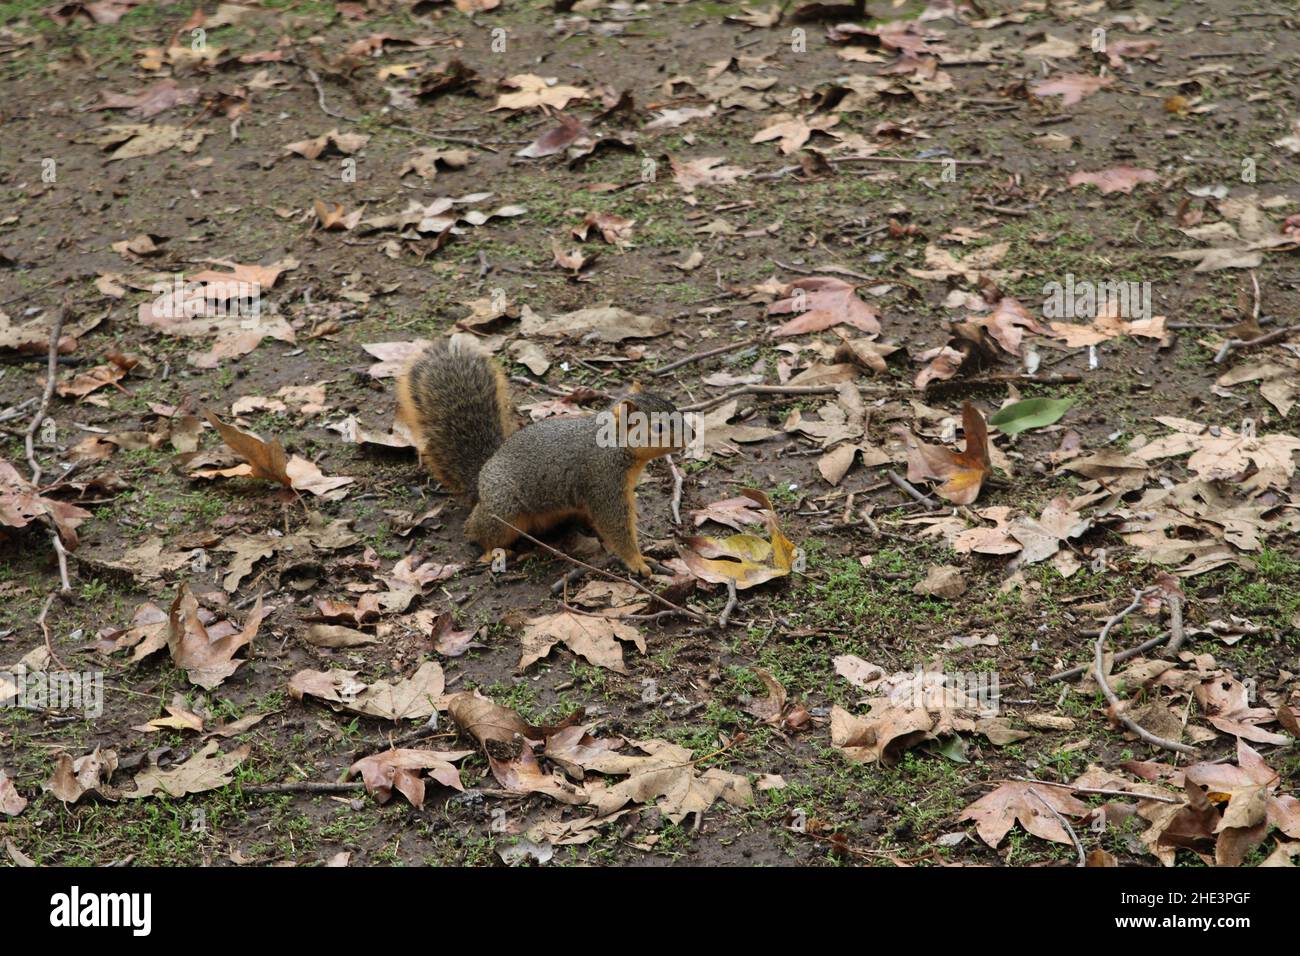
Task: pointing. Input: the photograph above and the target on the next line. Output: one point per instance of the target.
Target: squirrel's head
(651, 426)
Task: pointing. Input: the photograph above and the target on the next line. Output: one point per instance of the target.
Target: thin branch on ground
(912, 491)
(717, 400)
(320, 96)
(51, 380)
(303, 786)
(609, 574)
(1121, 656)
(732, 598)
(935, 161)
(709, 353)
(1074, 837)
(678, 478)
(29, 441)
(1097, 791)
(45, 630)
(1177, 634)
(1099, 673)
(1234, 345)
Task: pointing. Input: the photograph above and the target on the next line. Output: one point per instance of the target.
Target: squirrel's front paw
(640, 568)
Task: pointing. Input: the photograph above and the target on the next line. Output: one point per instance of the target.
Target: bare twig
(936, 161)
(1004, 210)
(1233, 345)
(700, 356)
(1074, 672)
(49, 645)
(905, 486)
(1099, 673)
(51, 380)
(1176, 632)
(609, 574)
(570, 579)
(17, 410)
(447, 137)
(303, 786)
(555, 390)
(725, 616)
(1096, 791)
(676, 502)
(1009, 378)
(717, 400)
(1074, 837)
(320, 96)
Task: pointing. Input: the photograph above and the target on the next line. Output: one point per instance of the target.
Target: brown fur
(456, 402)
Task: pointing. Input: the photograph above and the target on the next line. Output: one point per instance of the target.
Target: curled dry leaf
(1117, 179)
(161, 96)
(73, 779)
(707, 171)
(994, 814)
(507, 739)
(12, 802)
(962, 473)
(208, 769)
(770, 708)
(821, 302)
(448, 641)
(733, 512)
(268, 461)
(1071, 87)
(616, 230)
(595, 639)
(21, 504)
(743, 559)
(942, 580)
(417, 697)
(207, 653)
(882, 735)
(333, 141)
(400, 769)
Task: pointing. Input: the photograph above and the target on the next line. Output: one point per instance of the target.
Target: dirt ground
(1210, 99)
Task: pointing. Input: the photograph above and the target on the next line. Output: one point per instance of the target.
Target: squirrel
(456, 403)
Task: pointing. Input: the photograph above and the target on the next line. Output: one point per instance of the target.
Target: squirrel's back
(456, 402)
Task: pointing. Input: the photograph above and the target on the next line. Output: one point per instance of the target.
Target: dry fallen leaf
(962, 473)
(996, 813)
(400, 769)
(1117, 179)
(594, 638)
(1071, 87)
(12, 802)
(744, 560)
(207, 769)
(206, 653)
(268, 461)
(534, 91)
(417, 697)
(822, 302)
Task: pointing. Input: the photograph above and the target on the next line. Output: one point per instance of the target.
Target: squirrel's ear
(624, 407)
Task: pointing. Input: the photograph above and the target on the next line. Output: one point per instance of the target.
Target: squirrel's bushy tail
(455, 400)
